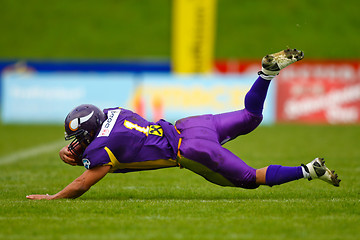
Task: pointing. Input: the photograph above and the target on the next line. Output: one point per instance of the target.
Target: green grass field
(173, 203)
(177, 204)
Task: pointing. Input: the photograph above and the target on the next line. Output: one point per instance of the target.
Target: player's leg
(277, 174)
(206, 157)
(220, 166)
(232, 124)
(216, 164)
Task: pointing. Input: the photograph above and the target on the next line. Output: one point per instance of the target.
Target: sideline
(31, 152)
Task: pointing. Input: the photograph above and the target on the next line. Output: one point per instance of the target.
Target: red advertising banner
(236, 66)
(327, 92)
(312, 91)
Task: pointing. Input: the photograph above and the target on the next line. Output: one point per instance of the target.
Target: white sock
(305, 173)
(265, 76)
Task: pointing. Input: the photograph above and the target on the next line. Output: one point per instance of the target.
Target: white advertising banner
(49, 97)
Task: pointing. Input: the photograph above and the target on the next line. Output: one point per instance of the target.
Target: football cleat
(273, 63)
(317, 169)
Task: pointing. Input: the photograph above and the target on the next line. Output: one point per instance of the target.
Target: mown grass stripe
(31, 152)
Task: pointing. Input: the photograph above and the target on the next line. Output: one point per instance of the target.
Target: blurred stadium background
(169, 59)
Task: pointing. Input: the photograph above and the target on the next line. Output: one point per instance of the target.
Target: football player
(117, 140)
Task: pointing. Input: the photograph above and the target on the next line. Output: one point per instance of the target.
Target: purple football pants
(202, 138)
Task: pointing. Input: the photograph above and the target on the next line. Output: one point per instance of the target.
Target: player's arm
(79, 186)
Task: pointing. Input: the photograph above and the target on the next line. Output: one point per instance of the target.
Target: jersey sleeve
(96, 157)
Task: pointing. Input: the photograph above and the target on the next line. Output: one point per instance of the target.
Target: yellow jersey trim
(144, 165)
(179, 143)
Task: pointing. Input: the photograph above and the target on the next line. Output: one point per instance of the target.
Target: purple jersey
(127, 142)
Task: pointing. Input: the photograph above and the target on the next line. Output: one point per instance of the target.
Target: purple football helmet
(81, 125)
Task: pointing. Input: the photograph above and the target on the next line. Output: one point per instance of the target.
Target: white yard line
(31, 152)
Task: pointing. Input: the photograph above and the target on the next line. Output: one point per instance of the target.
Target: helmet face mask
(81, 125)
(74, 147)
(78, 143)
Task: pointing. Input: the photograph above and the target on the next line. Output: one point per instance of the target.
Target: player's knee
(253, 121)
(247, 180)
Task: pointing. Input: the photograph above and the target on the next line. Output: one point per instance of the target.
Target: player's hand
(39, 197)
(67, 156)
